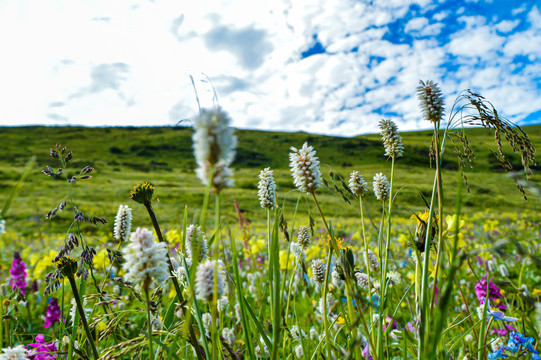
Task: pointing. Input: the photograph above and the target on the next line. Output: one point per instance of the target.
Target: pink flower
(493, 292)
(18, 273)
(53, 313)
(41, 350)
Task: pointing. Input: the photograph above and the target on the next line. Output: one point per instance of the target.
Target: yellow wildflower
(327, 241)
(286, 261)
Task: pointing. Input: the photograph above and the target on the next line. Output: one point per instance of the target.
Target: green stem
(383, 291)
(423, 307)
(193, 339)
(368, 270)
(83, 317)
(440, 214)
(325, 316)
(149, 320)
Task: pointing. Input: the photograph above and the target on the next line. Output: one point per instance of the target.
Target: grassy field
(123, 157)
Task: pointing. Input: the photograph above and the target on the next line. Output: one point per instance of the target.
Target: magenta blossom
(40, 350)
(493, 292)
(366, 352)
(52, 315)
(18, 273)
(504, 331)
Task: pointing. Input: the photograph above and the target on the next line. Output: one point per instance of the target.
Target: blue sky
(322, 66)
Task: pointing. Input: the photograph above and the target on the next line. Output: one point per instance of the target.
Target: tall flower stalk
(431, 102)
(393, 148)
(142, 194)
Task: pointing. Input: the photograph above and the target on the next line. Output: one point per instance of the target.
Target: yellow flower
(328, 241)
(286, 261)
(101, 261)
(102, 326)
(451, 222)
(536, 292)
(255, 247)
(174, 236)
(340, 321)
(42, 263)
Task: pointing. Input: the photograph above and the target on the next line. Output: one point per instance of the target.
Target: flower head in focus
(304, 166)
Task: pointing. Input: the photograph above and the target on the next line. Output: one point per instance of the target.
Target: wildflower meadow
(322, 261)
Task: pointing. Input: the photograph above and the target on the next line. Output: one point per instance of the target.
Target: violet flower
(18, 273)
(502, 332)
(41, 350)
(493, 292)
(53, 313)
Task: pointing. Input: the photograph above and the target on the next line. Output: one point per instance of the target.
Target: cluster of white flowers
(318, 271)
(228, 336)
(357, 184)
(297, 250)
(145, 259)
(305, 169)
(196, 243)
(336, 278)
(262, 352)
(392, 141)
(296, 333)
(431, 100)
(303, 237)
(267, 189)
(214, 147)
(123, 223)
(371, 260)
(18, 352)
(73, 310)
(204, 279)
(2, 226)
(362, 280)
(381, 186)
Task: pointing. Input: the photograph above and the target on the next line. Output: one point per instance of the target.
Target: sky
(331, 67)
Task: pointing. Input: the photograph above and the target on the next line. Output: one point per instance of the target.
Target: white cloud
(128, 62)
(507, 25)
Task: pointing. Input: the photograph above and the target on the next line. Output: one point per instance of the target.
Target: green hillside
(123, 157)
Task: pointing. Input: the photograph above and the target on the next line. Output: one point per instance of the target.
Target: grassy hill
(123, 157)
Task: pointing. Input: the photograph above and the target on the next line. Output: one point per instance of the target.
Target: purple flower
(504, 331)
(41, 350)
(52, 315)
(366, 352)
(18, 273)
(493, 292)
